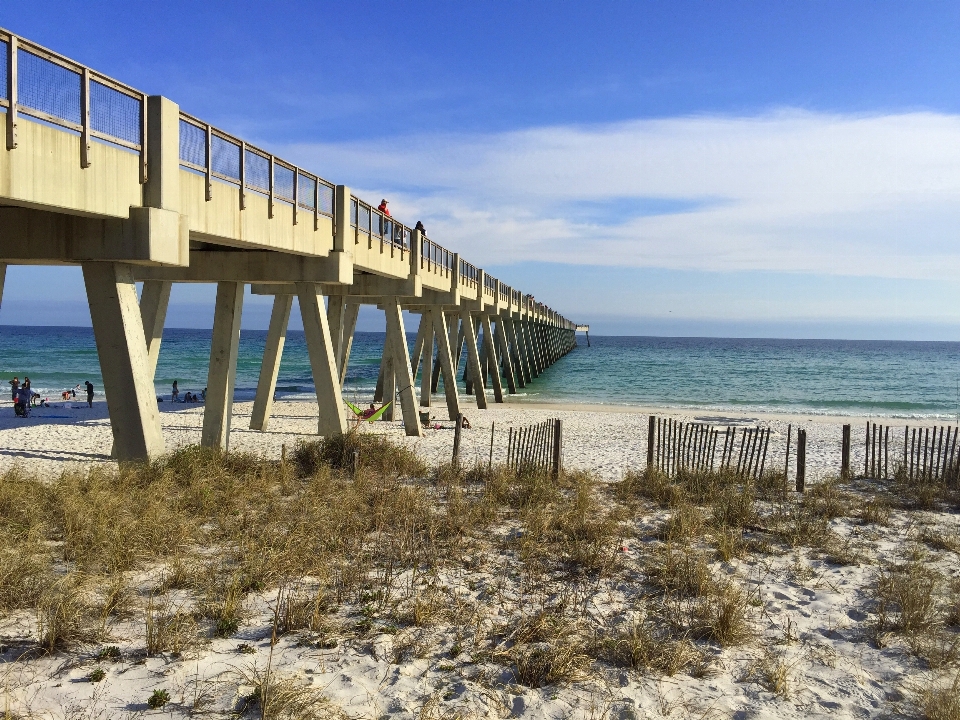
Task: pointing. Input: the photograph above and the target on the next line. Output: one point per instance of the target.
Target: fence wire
(4, 50)
(283, 182)
(326, 199)
(193, 144)
(114, 113)
(363, 219)
(306, 189)
(225, 158)
(48, 87)
(257, 171)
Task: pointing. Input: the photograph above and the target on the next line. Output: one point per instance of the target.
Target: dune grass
(354, 540)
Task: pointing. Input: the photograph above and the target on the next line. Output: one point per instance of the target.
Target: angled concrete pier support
(323, 361)
(3, 275)
(426, 375)
(270, 367)
(154, 301)
(473, 358)
(335, 320)
(222, 374)
(503, 348)
(122, 349)
(445, 362)
(489, 345)
(400, 360)
(349, 328)
(515, 358)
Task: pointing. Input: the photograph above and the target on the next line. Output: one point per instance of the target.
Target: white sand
(810, 613)
(606, 439)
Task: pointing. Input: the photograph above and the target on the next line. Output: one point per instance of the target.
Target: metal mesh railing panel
(193, 144)
(4, 49)
(48, 87)
(326, 199)
(257, 171)
(363, 218)
(225, 158)
(115, 114)
(306, 188)
(353, 212)
(283, 182)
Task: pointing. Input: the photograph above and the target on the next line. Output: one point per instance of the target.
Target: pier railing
(47, 86)
(51, 89)
(218, 155)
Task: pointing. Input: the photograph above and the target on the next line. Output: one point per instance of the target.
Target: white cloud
(796, 191)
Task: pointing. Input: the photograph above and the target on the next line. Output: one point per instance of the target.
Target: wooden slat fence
(674, 446)
(539, 446)
(930, 453)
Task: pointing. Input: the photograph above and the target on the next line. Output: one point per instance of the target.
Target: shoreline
(715, 416)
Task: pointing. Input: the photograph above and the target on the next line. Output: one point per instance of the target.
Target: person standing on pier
(383, 208)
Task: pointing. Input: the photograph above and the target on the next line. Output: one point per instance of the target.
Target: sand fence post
(651, 426)
(845, 454)
(456, 441)
(801, 458)
(557, 447)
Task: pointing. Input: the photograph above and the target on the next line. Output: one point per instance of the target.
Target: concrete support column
(222, 373)
(443, 332)
(335, 320)
(516, 328)
(154, 300)
(418, 346)
(388, 392)
(3, 276)
(397, 340)
(490, 346)
(323, 361)
(473, 358)
(378, 393)
(515, 353)
(503, 345)
(270, 367)
(426, 377)
(531, 347)
(122, 349)
(349, 328)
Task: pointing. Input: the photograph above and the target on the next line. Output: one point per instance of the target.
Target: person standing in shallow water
(89, 393)
(176, 392)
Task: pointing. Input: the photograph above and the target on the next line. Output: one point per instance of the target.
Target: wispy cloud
(789, 191)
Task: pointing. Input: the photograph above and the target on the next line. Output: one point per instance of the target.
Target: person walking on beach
(89, 392)
(176, 392)
(15, 387)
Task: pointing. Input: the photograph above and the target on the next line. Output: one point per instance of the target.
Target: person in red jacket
(383, 208)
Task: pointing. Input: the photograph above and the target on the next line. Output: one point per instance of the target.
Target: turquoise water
(881, 378)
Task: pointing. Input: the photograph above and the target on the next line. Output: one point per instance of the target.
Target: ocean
(825, 377)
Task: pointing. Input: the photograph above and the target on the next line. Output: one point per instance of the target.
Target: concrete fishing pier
(97, 174)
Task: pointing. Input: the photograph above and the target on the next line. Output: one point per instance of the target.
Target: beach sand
(809, 614)
(605, 439)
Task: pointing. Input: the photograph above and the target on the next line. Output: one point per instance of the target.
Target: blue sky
(709, 168)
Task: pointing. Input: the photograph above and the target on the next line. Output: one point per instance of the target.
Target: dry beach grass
(352, 579)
